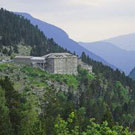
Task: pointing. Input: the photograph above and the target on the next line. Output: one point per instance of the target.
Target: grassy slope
(26, 76)
(22, 50)
(26, 79)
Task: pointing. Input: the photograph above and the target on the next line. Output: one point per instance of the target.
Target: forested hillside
(15, 30)
(62, 38)
(34, 102)
(39, 103)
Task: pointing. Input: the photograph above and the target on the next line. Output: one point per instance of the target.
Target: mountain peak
(44, 26)
(126, 42)
(119, 51)
(129, 35)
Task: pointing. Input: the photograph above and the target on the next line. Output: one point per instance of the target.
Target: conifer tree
(5, 124)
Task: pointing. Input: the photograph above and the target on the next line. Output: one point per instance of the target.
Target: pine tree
(5, 124)
(30, 123)
(13, 103)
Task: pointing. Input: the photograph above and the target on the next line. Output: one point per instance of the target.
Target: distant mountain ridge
(132, 74)
(61, 38)
(123, 59)
(126, 42)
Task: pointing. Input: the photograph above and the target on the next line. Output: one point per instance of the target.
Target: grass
(92, 76)
(3, 66)
(69, 80)
(37, 77)
(34, 76)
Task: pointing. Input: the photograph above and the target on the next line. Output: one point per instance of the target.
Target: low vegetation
(49, 101)
(34, 102)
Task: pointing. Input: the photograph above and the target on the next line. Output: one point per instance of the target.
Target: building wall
(65, 65)
(49, 65)
(23, 61)
(38, 64)
(55, 65)
(71, 65)
(59, 66)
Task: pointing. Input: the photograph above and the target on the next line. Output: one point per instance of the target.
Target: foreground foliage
(24, 110)
(67, 127)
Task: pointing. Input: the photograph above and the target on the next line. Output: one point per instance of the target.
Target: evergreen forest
(34, 102)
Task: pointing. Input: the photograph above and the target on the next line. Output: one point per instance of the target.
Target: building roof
(21, 57)
(37, 58)
(59, 55)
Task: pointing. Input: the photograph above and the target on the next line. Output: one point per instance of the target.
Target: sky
(83, 20)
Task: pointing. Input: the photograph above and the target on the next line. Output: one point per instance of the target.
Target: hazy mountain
(61, 38)
(123, 59)
(126, 42)
(132, 74)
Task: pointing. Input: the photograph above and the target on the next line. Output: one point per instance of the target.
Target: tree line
(15, 29)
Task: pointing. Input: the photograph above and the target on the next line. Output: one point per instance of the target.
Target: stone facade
(61, 63)
(38, 62)
(23, 60)
(56, 63)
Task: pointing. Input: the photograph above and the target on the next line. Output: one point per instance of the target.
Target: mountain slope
(38, 94)
(132, 74)
(35, 102)
(124, 60)
(15, 30)
(126, 42)
(61, 38)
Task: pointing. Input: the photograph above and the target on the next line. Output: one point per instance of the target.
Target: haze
(83, 20)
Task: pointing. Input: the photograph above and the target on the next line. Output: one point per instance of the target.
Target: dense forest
(34, 102)
(63, 112)
(14, 30)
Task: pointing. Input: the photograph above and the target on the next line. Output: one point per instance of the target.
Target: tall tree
(5, 124)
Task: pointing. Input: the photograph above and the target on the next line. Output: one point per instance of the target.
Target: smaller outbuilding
(23, 60)
(38, 62)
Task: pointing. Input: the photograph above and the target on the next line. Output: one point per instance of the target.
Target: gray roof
(37, 58)
(22, 57)
(59, 55)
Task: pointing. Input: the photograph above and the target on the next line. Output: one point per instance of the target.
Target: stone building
(61, 63)
(23, 60)
(38, 62)
(56, 63)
